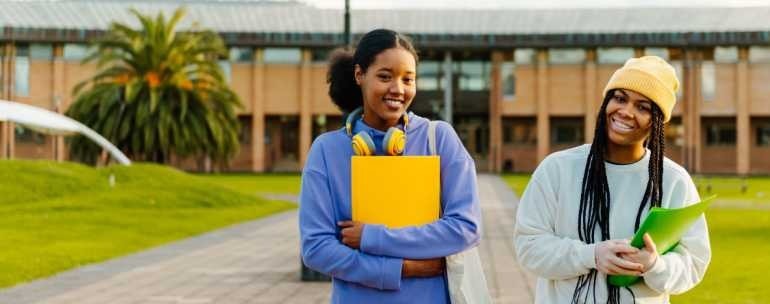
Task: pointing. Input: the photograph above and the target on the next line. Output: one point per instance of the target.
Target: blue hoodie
(373, 273)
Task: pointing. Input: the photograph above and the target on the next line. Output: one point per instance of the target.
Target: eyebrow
(391, 71)
(626, 95)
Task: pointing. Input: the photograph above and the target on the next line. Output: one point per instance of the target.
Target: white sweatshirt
(547, 241)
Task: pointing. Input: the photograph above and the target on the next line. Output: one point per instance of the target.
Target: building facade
(516, 85)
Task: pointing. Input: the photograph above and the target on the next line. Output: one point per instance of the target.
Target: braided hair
(595, 194)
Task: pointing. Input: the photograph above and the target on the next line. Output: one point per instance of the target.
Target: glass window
(41, 51)
(428, 73)
(520, 132)
(25, 135)
(674, 133)
(708, 80)
(720, 134)
(320, 55)
(763, 135)
(566, 56)
(22, 50)
(244, 134)
(759, 54)
(241, 54)
(227, 70)
(73, 51)
(21, 71)
(289, 136)
(474, 75)
(614, 55)
(508, 77)
(726, 54)
(657, 51)
(567, 132)
(283, 55)
(525, 56)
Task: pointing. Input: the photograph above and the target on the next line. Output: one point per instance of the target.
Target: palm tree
(158, 92)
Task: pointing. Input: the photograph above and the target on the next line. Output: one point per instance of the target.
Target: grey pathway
(255, 262)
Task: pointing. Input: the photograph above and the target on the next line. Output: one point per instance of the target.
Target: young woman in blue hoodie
(371, 263)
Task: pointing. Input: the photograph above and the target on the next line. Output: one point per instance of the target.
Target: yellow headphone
(363, 145)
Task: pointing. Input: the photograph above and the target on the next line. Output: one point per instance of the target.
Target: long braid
(656, 144)
(594, 202)
(595, 195)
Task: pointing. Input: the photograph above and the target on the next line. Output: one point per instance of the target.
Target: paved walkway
(255, 262)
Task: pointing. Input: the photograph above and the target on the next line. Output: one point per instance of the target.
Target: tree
(157, 92)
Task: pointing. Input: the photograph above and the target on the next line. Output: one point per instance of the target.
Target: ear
(359, 74)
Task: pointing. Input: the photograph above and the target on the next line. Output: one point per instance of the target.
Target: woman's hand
(647, 256)
(609, 259)
(422, 268)
(351, 233)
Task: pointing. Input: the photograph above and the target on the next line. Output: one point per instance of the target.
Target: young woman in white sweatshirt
(583, 204)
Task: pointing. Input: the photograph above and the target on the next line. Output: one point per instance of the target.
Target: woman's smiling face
(629, 116)
(388, 87)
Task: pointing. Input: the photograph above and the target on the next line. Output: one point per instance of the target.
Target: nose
(397, 88)
(627, 110)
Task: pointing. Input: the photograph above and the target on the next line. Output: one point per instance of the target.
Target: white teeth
(621, 126)
(393, 102)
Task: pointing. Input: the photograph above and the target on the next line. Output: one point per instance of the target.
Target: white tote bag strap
(432, 137)
(465, 275)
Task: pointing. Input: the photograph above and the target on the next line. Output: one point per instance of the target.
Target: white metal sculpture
(48, 122)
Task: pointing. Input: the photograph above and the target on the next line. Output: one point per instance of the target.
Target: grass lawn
(752, 190)
(257, 183)
(56, 216)
(740, 239)
(517, 182)
(739, 265)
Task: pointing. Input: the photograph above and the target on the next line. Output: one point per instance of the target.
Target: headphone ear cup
(394, 142)
(363, 145)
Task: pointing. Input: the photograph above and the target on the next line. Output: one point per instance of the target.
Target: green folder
(666, 227)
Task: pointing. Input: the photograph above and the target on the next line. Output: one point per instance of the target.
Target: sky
(527, 4)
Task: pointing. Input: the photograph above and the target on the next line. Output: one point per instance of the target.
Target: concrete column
(3, 95)
(687, 124)
(5, 70)
(543, 123)
(305, 108)
(638, 52)
(592, 101)
(58, 93)
(258, 113)
(742, 117)
(3, 140)
(691, 111)
(10, 77)
(697, 103)
(495, 117)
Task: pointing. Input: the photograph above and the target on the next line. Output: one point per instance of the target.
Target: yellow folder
(395, 191)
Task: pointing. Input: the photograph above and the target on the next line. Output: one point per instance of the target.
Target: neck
(377, 123)
(624, 154)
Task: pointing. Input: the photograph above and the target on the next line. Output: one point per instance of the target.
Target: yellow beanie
(650, 76)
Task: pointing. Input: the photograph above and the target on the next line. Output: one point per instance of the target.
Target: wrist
(651, 264)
